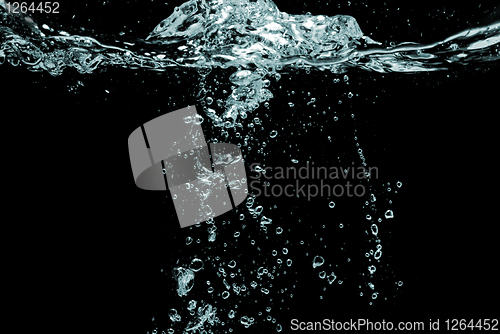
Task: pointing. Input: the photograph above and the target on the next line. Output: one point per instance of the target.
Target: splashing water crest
(252, 36)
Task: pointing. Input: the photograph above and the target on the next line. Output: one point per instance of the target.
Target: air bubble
(331, 278)
(389, 214)
(196, 265)
(318, 261)
(331, 204)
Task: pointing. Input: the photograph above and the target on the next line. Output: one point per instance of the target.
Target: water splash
(242, 34)
(253, 36)
(260, 42)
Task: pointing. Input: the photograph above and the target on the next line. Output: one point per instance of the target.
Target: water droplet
(399, 184)
(349, 95)
(232, 264)
(331, 204)
(279, 230)
(322, 274)
(295, 161)
(273, 134)
(389, 214)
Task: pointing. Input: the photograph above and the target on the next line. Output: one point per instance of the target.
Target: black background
(98, 238)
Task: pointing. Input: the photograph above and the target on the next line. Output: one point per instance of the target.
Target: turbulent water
(254, 37)
(258, 42)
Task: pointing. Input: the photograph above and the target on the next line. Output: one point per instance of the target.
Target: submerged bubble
(318, 261)
(191, 305)
(246, 321)
(196, 265)
(185, 280)
(331, 278)
(172, 314)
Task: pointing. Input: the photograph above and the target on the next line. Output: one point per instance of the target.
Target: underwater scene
(362, 156)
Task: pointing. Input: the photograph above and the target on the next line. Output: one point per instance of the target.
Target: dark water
(428, 128)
